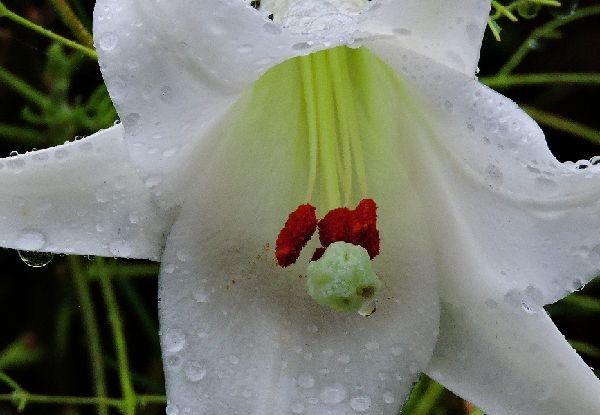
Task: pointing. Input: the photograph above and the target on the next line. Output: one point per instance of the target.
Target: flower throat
(340, 275)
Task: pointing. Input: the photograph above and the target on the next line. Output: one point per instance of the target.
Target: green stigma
(343, 278)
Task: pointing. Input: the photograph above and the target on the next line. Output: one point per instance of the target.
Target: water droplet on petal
(36, 259)
(494, 175)
(344, 358)
(334, 394)
(195, 371)
(174, 340)
(306, 381)
(172, 409)
(107, 41)
(360, 403)
(297, 408)
(396, 350)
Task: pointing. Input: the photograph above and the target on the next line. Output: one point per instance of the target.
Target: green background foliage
(80, 335)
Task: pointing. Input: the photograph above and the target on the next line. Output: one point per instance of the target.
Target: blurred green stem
(117, 271)
(5, 12)
(585, 348)
(24, 89)
(70, 19)
(544, 31)
(114, 317)
(92, 332)
(583, 302)
(10, 382)
(20, 135)
(507, 81)
(141, 311)
(562, 124)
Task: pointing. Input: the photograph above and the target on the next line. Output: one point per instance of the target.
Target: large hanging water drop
(36, 259)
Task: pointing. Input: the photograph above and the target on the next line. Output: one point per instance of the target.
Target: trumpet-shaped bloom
(232, 116)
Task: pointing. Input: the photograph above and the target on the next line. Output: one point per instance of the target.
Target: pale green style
(343, 278)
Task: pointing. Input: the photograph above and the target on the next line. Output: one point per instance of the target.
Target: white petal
(239, 333)
(497, 347)
(174, 68)
(506, 356)
(83, 197)
(448, 32)
(535, 220)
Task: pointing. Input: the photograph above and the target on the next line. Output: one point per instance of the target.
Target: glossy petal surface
(448, 32)
(506, 356)
(519, 231)
(535, 219)
(202, 58)
(83, 198)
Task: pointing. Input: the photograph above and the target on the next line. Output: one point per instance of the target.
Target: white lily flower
(225, 130)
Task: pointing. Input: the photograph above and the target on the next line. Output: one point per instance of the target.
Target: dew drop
(368, 309)
(107, 41)
(297, 408)
(200, 295)
(183, 255)
(494, 175)
(173, 361)
(172, 409)
(372, 346)
(526, 307)
(174, 340)
(566, 8)
(36, 259)
(396, 350)
(195, 371)
(344, 358)
(360, 403)
(306, 381)
(334, 394)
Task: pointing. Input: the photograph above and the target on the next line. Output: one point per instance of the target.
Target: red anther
(358, 227)
(364, 227)
(335, 226)
(299, 228)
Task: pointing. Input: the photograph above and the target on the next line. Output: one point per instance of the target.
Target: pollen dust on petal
(299, 228)
(358, 227)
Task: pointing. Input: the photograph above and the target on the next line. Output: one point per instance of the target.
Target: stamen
(335, 154)
(299, 228)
